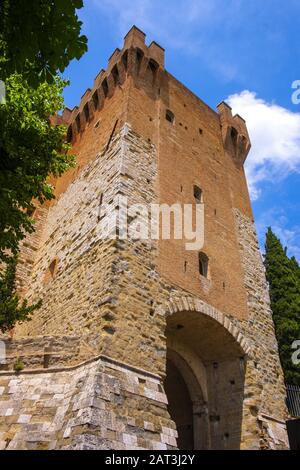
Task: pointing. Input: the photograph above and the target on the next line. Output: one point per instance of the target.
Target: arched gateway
(205, 375)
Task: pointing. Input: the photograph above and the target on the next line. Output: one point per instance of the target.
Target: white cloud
(286, 231)
(275, 137)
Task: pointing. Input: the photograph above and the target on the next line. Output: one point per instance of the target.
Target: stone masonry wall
(266, 393)
(41, 352)
(105, 291)
(97, 405)
(77, 295)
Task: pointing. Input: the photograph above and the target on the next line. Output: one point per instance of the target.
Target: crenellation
(157, 52)
(114, 59)
(134, 38)
(151, 58)
(67, 112)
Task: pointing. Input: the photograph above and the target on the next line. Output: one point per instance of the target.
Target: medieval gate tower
(142, 343)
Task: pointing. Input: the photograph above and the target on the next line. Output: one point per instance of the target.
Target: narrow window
(51, 271)
(115, 74)
(203, 264)
(77, 120)
(139, 58)
(234, 136)
(198, 194)
(170, 116)
(52, 268)
(153, 66)
(86, 112)
(125, 59)
(95, 99)
(105, 87)
(70, 134)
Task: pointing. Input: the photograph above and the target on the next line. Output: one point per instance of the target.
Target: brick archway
(205, 336)
(185, 303)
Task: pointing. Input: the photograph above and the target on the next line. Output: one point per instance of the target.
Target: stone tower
(141, 343)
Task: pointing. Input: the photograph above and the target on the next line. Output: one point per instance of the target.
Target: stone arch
(209, 352)
(197, 388)
(192, 362)
(185, 303)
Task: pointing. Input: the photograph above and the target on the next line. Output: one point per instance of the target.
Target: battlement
(135, 59)
(235, 134)
(145, 63)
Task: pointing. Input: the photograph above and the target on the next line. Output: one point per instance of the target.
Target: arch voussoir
(186, 303)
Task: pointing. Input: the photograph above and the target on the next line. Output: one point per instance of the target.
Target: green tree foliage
(12, 309)
(30, 150)
(38, 38)
(283, 275)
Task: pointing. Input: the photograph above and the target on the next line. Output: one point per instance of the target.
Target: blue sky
(244, 51)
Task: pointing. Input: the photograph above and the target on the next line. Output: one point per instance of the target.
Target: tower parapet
(135, 59)
(234, 133)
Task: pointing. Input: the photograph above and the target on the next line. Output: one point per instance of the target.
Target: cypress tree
(283, 276)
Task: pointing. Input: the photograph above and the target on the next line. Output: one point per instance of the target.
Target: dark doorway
(180, 406)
